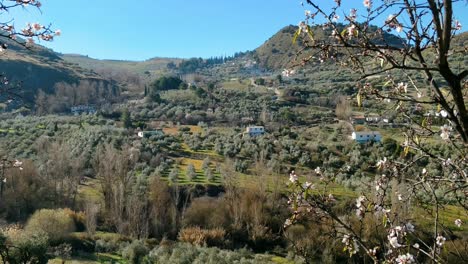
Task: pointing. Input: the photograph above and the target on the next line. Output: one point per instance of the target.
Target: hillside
(279, 51)
(142, 68)
(37, 68)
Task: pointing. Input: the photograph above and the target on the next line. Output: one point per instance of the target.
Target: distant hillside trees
(164, 83)
(67, 95)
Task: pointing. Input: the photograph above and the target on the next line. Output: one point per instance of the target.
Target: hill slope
(38, 68)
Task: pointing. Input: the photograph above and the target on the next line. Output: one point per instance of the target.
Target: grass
(90, 191)
(91, 259)
(174, 130)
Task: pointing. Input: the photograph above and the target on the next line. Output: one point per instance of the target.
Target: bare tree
(114, 170)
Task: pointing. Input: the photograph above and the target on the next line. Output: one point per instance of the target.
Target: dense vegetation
(196, 188)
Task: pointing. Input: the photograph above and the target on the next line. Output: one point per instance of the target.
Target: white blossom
(445, 132)
(394, 241)
(402, 87)
(367, 3)
(440, 240)
(381, 163)
(293, 177)
(443, 113)
(288, 72)
(405, 259)
(317, 170)
(458, 25)
(458, 222)
(17, 163)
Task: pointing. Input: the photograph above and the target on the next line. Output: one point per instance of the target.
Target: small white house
(367, 136)
(255, 131)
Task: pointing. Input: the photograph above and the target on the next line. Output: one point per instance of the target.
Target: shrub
(200, 237)
(57, 224)
(135, 252)
(25, 246)
(79, 219)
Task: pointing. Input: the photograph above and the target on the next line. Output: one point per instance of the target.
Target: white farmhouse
(367, 136)
(254, 131)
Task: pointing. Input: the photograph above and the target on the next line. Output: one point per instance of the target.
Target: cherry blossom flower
(352, 31)
(458, 222)
(445, 132)
(335, 18)
(381, 163)
(440, 240)
(288, 72)
(58, 32)
(402, 87)
(457, 26)
(353, 14)
(17, 163)
(443, 113)
(392, 23)
(393, 240)
(416, 246)
(308, 185)
(353, 247)
(367, 3)
(405, 259)
(293, 177)
(317, 170)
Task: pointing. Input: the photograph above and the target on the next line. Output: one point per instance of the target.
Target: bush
(201, 237)
(25, 246)
(135, 252)
(57, 224)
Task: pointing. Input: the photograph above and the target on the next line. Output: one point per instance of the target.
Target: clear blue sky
(139, 30)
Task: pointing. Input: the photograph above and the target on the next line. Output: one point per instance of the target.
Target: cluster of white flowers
(457, 25)
(367, 3)
(381, 183)
(293, 177)
(402, 87)
(405, 259)
(392, 23)
(381, 163)
(35, 3)
(360, 206)
(288, 72)
(398, 233)
(445, 132)
(440, 241)
(18, 164)
(351, 244)
(351, 31)
(352, 14)
(318, 171)
(458, 222)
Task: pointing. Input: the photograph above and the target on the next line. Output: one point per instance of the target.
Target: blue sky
(139, 30)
